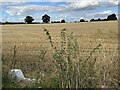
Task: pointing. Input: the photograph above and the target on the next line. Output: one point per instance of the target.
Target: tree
(99, 19)
(82, 20)
(105, 19)
(28, 19)
(92, 20)
(63, 21)
(46, 18)
(112, 17)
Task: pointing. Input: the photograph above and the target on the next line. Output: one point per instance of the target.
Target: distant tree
(55, 21)
(28, 19)
(112, 17)
(6, 22)
(105, 19)
(63, 21)
(82, 20)
(99, 19)
(46, 18)
(92, 20)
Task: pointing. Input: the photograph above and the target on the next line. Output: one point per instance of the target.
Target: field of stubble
(31, 39)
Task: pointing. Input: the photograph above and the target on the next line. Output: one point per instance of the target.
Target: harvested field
(27, 40)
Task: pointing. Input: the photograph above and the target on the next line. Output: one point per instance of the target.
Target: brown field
(30, 39)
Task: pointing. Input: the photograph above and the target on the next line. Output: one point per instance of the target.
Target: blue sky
(57, 9)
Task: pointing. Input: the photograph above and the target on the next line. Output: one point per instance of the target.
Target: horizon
(58, 10)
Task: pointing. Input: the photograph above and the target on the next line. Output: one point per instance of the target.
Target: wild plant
(73, 71)
(13, 62)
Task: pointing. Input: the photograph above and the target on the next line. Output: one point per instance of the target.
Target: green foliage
(112, 17)
(28, 19)
(46, 18)
(73, 72)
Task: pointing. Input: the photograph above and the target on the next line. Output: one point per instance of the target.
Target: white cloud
(32, 0)
(55, 0)
(11, 3)
(20, 8)
(105, 13)
(90, 4)
(28, 9)
(16, 8)
(20, 0)
(85, 15)
(102, 14)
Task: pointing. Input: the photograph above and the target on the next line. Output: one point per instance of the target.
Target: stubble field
(22, 45)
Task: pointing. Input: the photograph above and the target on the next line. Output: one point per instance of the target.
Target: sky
(69, 10)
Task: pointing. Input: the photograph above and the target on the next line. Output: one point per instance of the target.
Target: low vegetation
(63, 58)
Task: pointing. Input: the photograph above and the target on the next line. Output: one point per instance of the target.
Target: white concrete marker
(17, 74)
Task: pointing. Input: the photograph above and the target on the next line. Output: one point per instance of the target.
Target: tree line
(110, 17)
(46, 19)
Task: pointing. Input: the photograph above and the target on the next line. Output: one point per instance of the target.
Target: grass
(82, 59)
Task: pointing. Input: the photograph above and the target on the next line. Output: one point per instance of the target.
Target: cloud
(70, 16)
(31, 0)
(102, 14)
(11, 3)
(55, 0)
(20, 8)
(73, 16)
(91, 4)
(84, 15)
(33, 9)
(85, 8)
(16, 8)
(28, 9)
